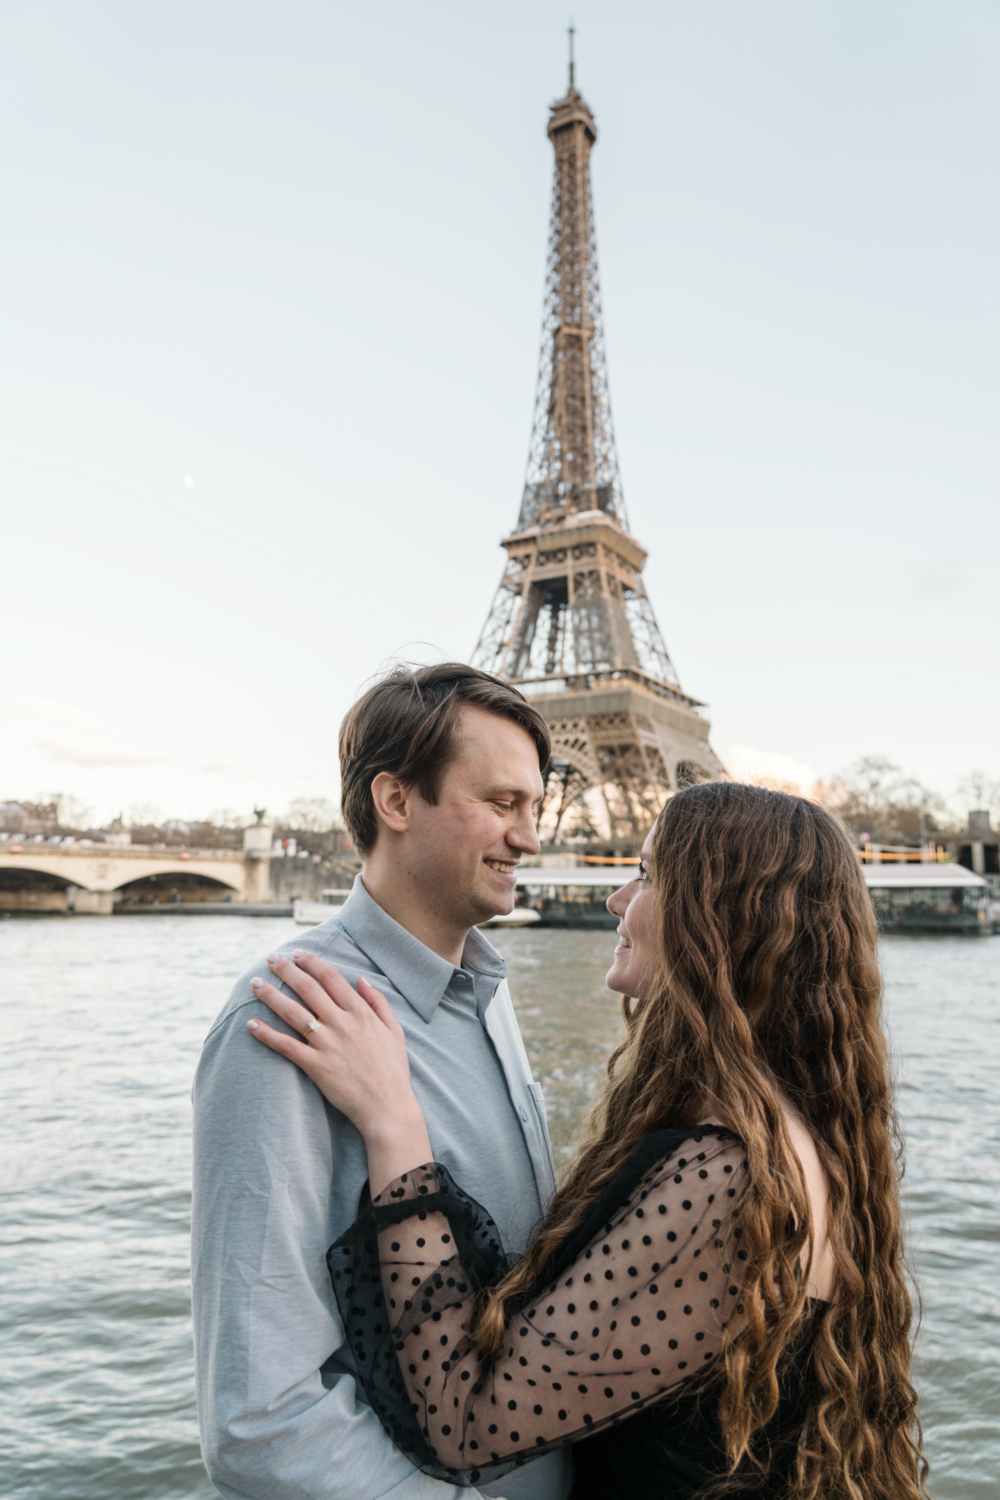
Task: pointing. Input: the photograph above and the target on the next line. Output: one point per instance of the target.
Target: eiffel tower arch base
(619, 752)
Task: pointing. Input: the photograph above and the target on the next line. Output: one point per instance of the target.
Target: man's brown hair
(405, 725)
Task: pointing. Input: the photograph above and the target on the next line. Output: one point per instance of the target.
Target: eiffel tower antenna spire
(572, 625)
(571, 33)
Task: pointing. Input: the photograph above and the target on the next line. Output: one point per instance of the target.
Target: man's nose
(523, 834)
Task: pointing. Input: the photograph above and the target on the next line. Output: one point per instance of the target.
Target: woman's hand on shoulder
(352, 1046)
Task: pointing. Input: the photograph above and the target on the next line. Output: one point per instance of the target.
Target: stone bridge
(99, 877)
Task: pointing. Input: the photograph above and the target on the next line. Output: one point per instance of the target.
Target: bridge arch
(40, 877)
(171, 887)
(30, 890)
(35, 870)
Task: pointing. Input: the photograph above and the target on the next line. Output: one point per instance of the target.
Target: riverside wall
(290, 879)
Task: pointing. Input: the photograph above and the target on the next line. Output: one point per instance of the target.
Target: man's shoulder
(330, 940)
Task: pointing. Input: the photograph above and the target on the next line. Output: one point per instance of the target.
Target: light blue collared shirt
(277, 1178)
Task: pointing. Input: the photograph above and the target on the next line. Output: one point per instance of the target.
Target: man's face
(464, 850)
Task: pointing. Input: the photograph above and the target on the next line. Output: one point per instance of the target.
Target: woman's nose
(617, 902)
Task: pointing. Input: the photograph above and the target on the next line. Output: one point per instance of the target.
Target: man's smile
(501, 865)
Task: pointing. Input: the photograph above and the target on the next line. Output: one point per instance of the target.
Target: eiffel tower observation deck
(571, 624)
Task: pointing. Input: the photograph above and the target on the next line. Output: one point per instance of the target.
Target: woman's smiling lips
(624, 946)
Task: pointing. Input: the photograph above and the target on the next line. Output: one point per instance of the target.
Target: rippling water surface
(101, 1027)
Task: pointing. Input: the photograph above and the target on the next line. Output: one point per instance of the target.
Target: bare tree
(916, 812)
(979, 790)
(144, 815)
(226, 817)
(312, 815)
(72, 814)
(871, 781)
(874, 797)
(832, 794)
(869, 784)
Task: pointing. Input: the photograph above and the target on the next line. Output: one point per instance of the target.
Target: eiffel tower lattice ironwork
(572, 625)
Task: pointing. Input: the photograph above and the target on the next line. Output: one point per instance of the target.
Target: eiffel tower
(571, 624)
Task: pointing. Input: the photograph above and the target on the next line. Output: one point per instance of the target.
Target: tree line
(875, 797)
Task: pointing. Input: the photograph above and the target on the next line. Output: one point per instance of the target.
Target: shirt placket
(517, 1081)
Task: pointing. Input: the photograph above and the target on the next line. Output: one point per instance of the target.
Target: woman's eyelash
(643, 872)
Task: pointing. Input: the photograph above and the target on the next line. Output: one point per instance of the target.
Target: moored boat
(910, 895)
(521, 916)
(917, 896)
(573, 896)
(310, 913)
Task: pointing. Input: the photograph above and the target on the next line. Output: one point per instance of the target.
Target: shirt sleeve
(281, 1416)
(645, 1305)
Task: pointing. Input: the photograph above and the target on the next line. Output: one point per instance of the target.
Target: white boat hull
(521, 916)
(311, 913)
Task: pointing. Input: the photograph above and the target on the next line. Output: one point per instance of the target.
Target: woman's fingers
(380, 1005)
(324, 989)
(357, 1056)
(289, 971)
(296, 1015)
(332, 983)
(279, 1041)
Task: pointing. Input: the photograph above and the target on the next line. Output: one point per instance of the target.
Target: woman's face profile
(634, 906)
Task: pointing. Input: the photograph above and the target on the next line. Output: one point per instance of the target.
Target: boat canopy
(605, 877)
(610, 877)
(919, 876)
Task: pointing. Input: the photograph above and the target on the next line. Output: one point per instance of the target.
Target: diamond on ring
(314, 1025)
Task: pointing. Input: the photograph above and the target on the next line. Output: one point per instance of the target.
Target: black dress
(603, 1354)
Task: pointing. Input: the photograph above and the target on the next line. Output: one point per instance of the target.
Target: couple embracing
(392, 1297)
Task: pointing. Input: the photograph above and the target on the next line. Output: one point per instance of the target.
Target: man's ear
(392, 801)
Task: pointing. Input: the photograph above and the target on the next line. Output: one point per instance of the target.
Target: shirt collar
(419, 975)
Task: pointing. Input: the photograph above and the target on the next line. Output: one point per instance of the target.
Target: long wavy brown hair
(769, 986)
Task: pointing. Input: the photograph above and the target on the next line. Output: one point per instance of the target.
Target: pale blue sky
(295, 253)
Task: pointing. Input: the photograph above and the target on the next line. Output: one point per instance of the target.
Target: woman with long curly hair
(715, 1302)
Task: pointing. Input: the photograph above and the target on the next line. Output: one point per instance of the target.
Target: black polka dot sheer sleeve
(637, 1302)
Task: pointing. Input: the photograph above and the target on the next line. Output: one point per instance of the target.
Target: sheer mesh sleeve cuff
(428, 1286)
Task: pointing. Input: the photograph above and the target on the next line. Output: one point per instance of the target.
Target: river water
(101, 1026)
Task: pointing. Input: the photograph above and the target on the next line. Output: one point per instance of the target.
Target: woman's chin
(617, 979)
(623, 980)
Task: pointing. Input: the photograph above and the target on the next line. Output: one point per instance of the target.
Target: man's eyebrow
(508, 791)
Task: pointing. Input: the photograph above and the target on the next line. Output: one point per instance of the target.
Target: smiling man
(441, 771)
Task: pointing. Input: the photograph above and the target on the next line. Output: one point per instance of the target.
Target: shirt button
(524, 1115)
